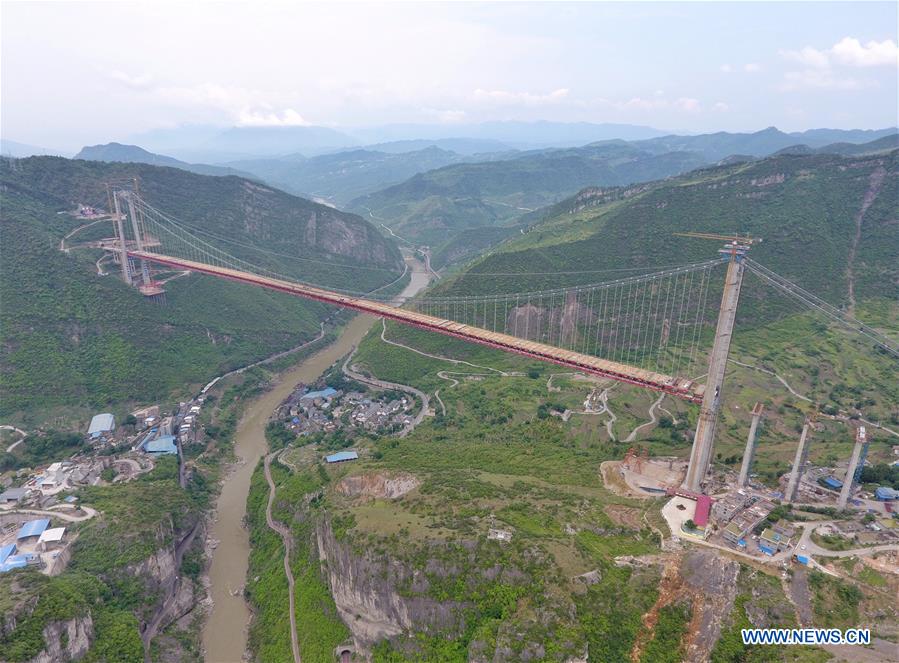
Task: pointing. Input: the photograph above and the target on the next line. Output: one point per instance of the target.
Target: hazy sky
(76, 73)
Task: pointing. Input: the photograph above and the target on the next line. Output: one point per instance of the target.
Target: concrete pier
(798, 464)
(749, 452)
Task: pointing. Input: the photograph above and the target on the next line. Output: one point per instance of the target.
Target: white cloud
(821, 79)
(850, 51)
(141, 82)
(243, 106)
(526, 98)
(751, 67)
(808, 56)
(826, 69)
(726, 68)
(720, 107)
(687, 104)
(287, 118)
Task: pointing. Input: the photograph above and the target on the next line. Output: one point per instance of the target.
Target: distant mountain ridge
(11, 148)
(117, 152)
(342, 176)
(432, 206)
(716, 146)
(804, 206)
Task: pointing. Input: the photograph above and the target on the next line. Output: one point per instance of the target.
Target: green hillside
(72, 339)
(804, 207)
(434, 205)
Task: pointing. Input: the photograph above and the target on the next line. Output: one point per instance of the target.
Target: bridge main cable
(680, 387)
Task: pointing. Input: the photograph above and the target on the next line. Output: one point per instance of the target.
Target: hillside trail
(287, 541)
(773, 374)
(653, 419)
(838, 417)
(604, 399)
(875, 182)
(62, 242)
(438, 357)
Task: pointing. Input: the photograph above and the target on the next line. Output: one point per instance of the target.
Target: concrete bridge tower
(704, 439)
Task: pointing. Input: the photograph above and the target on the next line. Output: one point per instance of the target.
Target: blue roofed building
(100, 424)
(341, 456)
(18, 562)
(324, 393)
(886, 494)
(162, 446)
(832, 482)
(33, 528)
(6, 551)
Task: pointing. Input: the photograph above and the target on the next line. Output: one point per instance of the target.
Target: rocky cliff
(52, 619)
(365, 590)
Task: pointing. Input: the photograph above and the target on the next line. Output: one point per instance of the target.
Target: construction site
(733, 510)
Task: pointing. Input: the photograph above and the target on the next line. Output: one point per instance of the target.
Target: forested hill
(824, 219)
(73, 340)
(433, 206)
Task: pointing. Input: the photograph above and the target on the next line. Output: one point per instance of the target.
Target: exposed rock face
(311, 225)
(379, 485)
(712, 580)
(157, 570)
(365, 592)
(66, 641)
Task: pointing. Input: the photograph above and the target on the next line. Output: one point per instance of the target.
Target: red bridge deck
(680, 387)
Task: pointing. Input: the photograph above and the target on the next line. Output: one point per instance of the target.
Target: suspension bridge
(648, 330)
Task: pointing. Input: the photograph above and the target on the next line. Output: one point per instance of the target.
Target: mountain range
(343, 176)
(116, 152)
(73, 335)
(826, 221)
(462, 203)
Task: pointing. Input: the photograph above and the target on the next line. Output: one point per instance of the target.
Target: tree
(690, 524)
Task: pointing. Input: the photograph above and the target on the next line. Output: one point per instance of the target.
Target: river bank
(224, 636)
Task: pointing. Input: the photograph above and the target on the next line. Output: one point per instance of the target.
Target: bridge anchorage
(643, 330)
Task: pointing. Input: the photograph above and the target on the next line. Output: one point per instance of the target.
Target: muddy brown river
(225, 631)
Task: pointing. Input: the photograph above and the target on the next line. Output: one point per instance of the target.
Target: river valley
(224, 635)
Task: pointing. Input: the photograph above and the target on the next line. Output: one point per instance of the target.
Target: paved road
(813, 548)
(438, 357)
(286, 537)
(62, 515)
(17, 442)
(653, 420)
(383, 384)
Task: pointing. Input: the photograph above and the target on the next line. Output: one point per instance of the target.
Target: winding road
(438, 357)
(15, 430)
(287, 540)
(383, 384)
(653, 419)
